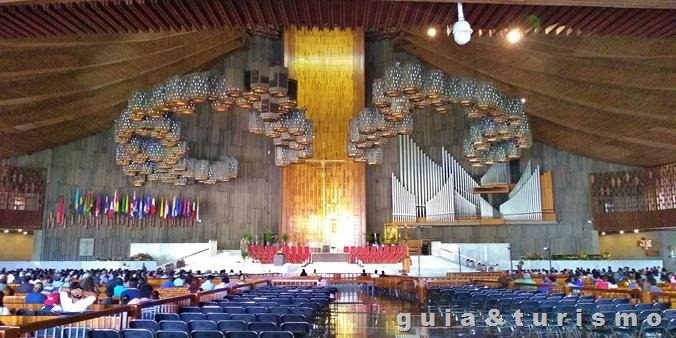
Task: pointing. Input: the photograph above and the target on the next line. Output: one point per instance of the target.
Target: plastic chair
(217, 317)
(190, 316)
(268, 317)
(241, 334)
(275, 334)
(206, 334)
(245, 317)
(234, 310)
(166, 316)
(189, 309)
(262, 326)
(280, 310)
(173, 325)
(103, 334)
(623, 307)
(136, 333)
(149, 325)
(256, 309)
(232, 325)
(171, 334)
(297, 328)
(293, 318)
(212, 309)
(202, 325)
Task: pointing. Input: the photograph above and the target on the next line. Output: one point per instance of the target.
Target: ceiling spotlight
(635, 231)
(523, 100)
(25, 232)
(6, 231)
(19, 230)
(461, 30)
(431, 32)
(603, 233)
(514, 35)
(621, 232)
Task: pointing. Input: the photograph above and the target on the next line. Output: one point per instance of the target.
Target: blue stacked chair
(173, 325)
(171, 334)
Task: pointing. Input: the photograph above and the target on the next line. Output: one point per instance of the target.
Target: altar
(330, 257)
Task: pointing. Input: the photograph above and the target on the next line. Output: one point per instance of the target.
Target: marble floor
(355, 314)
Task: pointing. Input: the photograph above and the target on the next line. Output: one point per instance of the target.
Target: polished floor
(356, 314)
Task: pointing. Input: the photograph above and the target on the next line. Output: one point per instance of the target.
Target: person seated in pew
(179, 281)
(546, 286)
(26, 286)
(132, 291)
(4, 286)
(303, 273)
(208, 284)
(363, 273)
(75, 299)
(4, 311)
(36, 296)
(601, 283)
(225, 282)
(119, 287)
(169, 283)
(145, 295)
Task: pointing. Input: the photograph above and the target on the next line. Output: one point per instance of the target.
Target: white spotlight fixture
(462, 32)
(6, 231)
(25, 232)
(635, 231)
(621, 232)
(514, 35)
(603, 233)
(431, 32)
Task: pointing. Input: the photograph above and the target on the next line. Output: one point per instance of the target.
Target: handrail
(45, 324)
(184, 257)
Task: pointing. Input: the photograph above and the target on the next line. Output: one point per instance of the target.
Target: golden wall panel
(323, 199)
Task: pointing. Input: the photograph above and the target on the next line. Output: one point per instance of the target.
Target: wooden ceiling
(57, 91)
(599, 76)
(612, 99)
(43, 18)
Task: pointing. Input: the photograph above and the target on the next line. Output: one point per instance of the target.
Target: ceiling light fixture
(514, 36)
(6, 231)
(635, 231)
(25, 232)
(462, 32)
(621, 232)
(431, 32)
(603, 233)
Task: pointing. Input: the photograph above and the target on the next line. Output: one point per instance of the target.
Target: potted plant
(267, 237)
(285, 239)
(244, 245)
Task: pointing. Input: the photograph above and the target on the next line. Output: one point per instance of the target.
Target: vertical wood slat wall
(249, 203)
(570, 176)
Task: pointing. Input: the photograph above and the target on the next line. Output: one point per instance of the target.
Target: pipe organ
(525, 200)
(403, 203)
(431, 191)
(497, 173)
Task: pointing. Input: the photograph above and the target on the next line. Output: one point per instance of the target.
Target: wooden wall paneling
(249, 203)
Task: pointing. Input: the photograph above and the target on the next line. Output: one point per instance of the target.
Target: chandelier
(275, 116)
(499, 127)
(149, 141)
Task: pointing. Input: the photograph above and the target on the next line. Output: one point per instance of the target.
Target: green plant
(583, 255)
(141, 257)
(285, 238)
(247, 237)
(606, 255)
(267, 237)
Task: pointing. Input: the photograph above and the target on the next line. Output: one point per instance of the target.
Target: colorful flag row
(91, 204)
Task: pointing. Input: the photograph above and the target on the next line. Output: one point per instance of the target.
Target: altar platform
(330, 257)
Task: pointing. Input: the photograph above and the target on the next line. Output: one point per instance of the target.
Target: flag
(132, 205)
(80, 207)
(140, 208)
(126, 202)
(162, 208)
(192, 212)
(76, 199)
(151, 211)
(60, 213)
(197, 210)
(113, 206)
(174, 208)
(186, 212)
(88, 203)
(115, 203)
(98, 205)
(167, 208)
(105, 203)
(146, 205)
